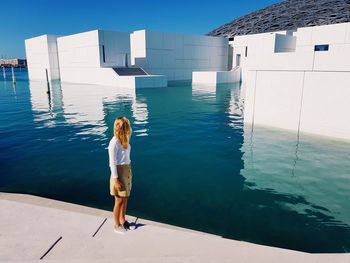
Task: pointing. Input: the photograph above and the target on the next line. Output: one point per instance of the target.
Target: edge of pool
(34, 229)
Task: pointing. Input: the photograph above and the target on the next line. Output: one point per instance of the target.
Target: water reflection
(47, 104)
(272, 163)
(306, 179)
(203, 92)
(140, 115)
(84, 106)
(235, 108)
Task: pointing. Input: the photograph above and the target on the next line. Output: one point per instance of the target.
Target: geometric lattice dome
(287, 15)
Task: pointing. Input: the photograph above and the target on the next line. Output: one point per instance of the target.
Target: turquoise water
(194, 163)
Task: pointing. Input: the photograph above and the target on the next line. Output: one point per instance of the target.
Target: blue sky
(23, 19)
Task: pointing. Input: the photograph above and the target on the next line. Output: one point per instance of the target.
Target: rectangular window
(103, 54)
(246, 51)
(238, 60)
(321, 47)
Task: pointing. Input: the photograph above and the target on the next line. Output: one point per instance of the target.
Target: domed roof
(287, 15)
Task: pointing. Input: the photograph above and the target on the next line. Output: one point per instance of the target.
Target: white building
(141, 59)
(297, 80)
(42, 53)
(177, 55)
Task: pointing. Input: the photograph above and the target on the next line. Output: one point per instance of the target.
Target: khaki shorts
(125, 176)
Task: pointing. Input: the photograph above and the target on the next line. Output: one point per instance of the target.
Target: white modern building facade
(141, 59)
(43, 55)
(297, 80)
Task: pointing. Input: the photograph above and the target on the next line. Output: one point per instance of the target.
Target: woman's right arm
(113, 165)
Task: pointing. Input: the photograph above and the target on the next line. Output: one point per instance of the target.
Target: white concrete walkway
(30, 226)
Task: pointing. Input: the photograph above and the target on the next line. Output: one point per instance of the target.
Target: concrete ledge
(64, 206)
(32, 227)
(216, 77)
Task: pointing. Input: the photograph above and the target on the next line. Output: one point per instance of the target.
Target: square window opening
(324, 47)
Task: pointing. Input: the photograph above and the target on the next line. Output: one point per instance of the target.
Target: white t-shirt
(117, 155)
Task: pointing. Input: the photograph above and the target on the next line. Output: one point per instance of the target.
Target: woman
(120, 180)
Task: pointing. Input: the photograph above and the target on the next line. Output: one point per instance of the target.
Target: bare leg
(116, 210)
(122, 209)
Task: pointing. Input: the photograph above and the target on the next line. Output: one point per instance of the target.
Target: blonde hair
(122, 131)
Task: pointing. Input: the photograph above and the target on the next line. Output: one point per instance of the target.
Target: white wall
(216, 77)
(90, 56)
(79, 51)
(326, 106)
(138, 47)
(178, 55)
(335, 59)
(41, 53)
(274, 51)
(327, 34)
(117, 48)
(81, 61)
(316, 100)
(271, 51)
(305, 90)
(275, 99)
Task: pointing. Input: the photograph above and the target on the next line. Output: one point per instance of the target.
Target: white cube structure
(89, 57)
(42, 55)
(297, 80)
(177, 55)
(216, 77)
(143, 58)
(289, 75)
